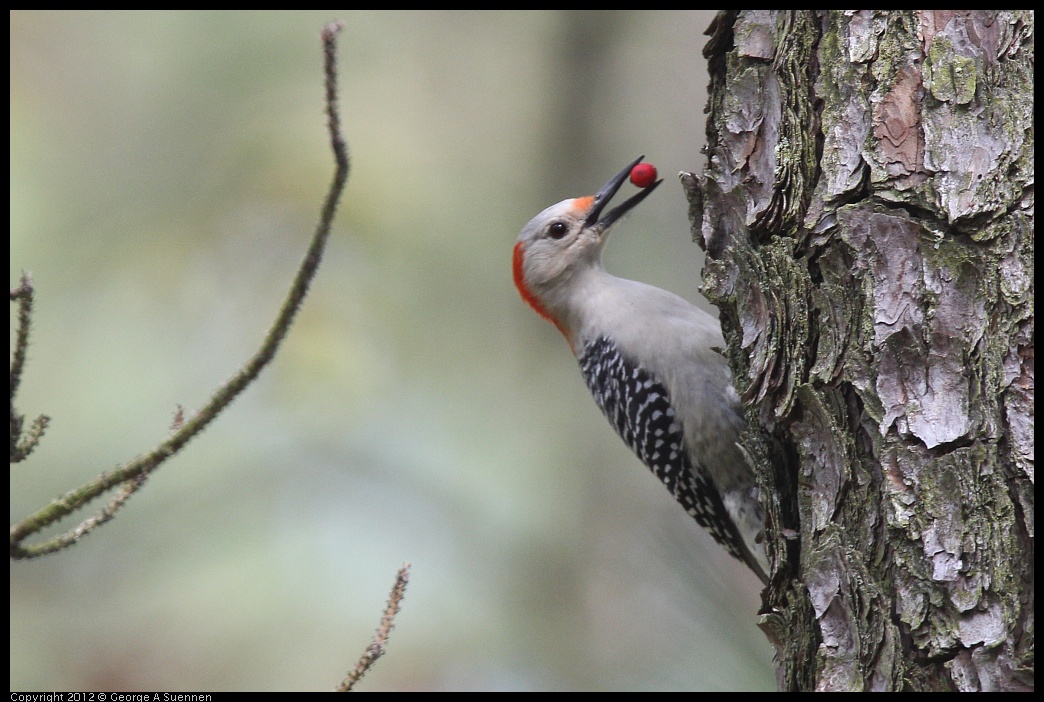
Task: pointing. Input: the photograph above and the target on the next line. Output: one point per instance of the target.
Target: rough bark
(867, 210)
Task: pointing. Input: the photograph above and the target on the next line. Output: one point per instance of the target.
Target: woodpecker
(650, 360)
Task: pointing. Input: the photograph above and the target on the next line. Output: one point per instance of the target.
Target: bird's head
(565, 239)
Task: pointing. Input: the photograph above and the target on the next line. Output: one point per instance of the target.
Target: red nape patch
(523, 287)
(527, 294)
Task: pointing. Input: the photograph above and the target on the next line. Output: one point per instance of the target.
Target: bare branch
(23, 294)
(380, 640)
(23, 444)
(70, 537)
(136, 469)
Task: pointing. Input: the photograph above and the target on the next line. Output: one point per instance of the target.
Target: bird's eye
(557, 230)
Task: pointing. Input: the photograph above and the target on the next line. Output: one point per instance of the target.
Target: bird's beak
(606, 194)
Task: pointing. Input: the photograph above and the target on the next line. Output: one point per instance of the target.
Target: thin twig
(146, 463)
(22, 444)
(24, 295)
(376, 648)
(87, 525)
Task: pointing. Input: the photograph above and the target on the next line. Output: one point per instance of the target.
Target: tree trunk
(868, 217)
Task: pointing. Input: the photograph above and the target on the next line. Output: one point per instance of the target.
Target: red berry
(643, 175)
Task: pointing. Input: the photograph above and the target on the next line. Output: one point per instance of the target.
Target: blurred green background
(166, 173)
